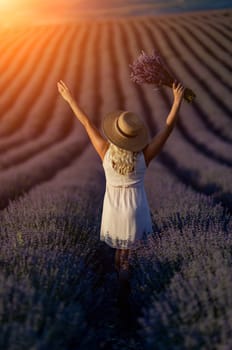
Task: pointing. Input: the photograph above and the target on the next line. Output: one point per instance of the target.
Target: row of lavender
(50, 291)
(182, 281)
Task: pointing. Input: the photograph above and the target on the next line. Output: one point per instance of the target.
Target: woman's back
(133, 178)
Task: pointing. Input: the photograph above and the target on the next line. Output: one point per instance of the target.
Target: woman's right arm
(157, 143)
(98, 141)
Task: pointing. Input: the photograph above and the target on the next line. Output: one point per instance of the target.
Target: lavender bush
(182, 283)
(58, 284)
(49, 287)
(151, 70)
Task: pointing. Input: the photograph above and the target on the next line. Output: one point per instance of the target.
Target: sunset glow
(13, 4)
(4, 3)
(15, 11)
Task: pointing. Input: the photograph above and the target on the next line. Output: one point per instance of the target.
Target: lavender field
(58, 287)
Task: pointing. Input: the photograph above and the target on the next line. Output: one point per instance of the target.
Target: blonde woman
(126, 152)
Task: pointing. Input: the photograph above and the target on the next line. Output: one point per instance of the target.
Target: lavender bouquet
(151, 70)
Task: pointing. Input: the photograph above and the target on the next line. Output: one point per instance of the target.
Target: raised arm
(156, 144)
(99, 143)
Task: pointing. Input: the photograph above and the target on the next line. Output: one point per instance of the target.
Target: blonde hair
(122, 161)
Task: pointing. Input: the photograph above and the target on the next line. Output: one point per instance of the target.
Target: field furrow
(208, 80)
(110, 81)
(25, 89)
(224, 33)
(191, 126)
(206, 51)
(14, 60)
(39, 115)
(206, 108)
(12, 46)
(61, 152)
(218, 37)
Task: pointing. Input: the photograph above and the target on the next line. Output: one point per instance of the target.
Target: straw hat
(125, 130)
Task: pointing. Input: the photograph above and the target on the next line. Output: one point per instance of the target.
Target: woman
(126, 152)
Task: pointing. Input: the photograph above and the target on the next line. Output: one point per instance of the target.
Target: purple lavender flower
(151, 70)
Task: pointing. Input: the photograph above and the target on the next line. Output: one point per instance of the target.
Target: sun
(13, 4)
(4, 3)
(7, 5)
(11, 11)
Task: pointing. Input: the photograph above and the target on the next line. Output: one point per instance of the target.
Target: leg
(121, 259)
(124, 273)
(124, 285)
(124, 259)
(117, 259)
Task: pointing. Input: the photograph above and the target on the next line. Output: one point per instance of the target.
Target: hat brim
(132, 143)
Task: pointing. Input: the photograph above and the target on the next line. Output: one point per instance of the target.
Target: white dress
(126, 215)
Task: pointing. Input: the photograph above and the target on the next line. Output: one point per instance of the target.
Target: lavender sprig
(151, 70)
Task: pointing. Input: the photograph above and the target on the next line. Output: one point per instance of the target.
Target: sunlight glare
(11, 11)
(4, 3)
(11, 4)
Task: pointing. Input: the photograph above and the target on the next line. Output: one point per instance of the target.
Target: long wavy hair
(122, 161)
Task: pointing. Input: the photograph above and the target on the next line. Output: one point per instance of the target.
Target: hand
(178, 91)
(64, 91)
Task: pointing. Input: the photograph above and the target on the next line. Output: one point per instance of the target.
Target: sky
(24, 11)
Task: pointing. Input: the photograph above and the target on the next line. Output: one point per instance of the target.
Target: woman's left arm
(98, 141)
(157, 143)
